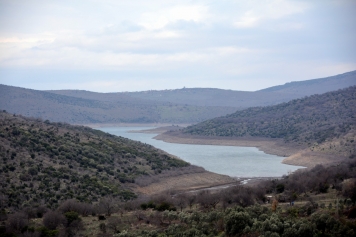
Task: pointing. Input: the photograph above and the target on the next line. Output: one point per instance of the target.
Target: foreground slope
(43, 162)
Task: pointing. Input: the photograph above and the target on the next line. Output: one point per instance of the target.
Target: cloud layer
(141, 45)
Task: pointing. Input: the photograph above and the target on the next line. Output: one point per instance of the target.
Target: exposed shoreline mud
(196, 182)
(161, 127)
(186, 182)
(295, 154)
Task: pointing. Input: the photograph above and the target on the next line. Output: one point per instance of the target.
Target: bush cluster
(44, 162)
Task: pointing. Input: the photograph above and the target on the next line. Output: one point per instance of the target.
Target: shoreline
(294, 154)
(186, 182)
(155, 125)
(194, 182)
(269, 146)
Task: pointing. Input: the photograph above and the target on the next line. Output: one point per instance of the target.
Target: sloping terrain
(43, 162)
(183, 106)
(244, 99)
(316, 86)
(324, 123)
(83, 107)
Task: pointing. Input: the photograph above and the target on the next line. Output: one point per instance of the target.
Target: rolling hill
(316, 86)
(245, 99)
(82, 107)
(324, 123)
(44, 162)
(181, 106)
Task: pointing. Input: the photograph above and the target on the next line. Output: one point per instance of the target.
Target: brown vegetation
(236, 211)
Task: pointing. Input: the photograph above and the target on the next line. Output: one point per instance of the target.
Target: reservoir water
(229, 160)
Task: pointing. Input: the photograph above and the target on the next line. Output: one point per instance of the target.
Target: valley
(178, 118)
(52, 170)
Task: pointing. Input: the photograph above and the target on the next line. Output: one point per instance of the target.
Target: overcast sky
(113, 46)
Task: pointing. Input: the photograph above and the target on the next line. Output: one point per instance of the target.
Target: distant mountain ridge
(167, 106)
(90, 107)
(245, 99)
(316, 86)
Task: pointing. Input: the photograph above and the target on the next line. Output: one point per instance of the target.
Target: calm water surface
(228, 160)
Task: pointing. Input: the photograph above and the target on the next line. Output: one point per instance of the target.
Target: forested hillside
(83, 107)
(308, 203)
(46, 163)
(325, 122)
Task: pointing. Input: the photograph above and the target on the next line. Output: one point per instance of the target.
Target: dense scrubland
(44, 162)
(323, 201)
(64, 180)
(324, 123)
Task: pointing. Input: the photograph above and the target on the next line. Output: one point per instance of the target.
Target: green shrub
(71, 216)
(236, 222)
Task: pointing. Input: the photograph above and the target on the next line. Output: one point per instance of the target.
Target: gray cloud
(140, 45)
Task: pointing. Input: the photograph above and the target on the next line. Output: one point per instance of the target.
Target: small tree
(71, 217)
(181, 201)
(108, 205)
(236, 222)
(53, 219)
(349, 190)
(114, 224)
(16, 222)
(69, 205)
(74, 223)
(208, 200)
(191, 200)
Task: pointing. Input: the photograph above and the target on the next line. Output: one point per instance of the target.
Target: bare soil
(269, 146)
(103, 125)
(310, 158)
(186, 182)
(295, 154)
(160, 130)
